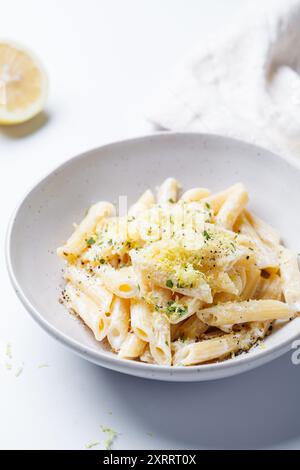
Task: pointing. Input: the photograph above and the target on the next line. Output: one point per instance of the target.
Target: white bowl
(44, 220)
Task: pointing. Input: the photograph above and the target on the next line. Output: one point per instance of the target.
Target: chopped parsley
(206, 235)
(173, 307)
(169, 283)
(90, 241)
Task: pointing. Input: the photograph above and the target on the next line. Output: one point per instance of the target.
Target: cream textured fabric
(246, 85)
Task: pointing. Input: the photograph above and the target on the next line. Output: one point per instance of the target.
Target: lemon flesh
(23, 85)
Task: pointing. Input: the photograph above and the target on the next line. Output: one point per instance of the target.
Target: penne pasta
(232, 207)
(251, 285)
(269, 288)
(168, 191)
(248, 311)
(119, 323)
(219, 347)
(192, 328)
(266, 233)
(180, 281)
(290, 275)
(146, 356)
(142, 204)
(216, 200)
(185, 282)
(160, 345)
(84, 231)
(195, 194)
(88, 311)
(132, 348)
(141, 320)
(90, 286)
(122, 282)
(266, 258)
(207, 350)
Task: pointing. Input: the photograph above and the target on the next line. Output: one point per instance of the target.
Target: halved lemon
(23, 84)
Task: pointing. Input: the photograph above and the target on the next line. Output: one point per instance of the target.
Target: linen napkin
(245, 86)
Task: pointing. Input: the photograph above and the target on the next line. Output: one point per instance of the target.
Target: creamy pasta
(179, 281)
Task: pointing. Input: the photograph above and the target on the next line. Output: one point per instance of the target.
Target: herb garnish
(206, 235)
(173, 307)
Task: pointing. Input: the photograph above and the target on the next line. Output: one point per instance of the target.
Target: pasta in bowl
(180, 278)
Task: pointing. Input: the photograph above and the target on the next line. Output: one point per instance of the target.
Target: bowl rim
(113, 361)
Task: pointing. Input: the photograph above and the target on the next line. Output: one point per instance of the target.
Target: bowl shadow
(257, 409)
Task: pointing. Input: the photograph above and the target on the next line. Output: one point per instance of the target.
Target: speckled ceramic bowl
(44, 219)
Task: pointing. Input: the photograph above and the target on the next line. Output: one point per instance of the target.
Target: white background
(105, 59)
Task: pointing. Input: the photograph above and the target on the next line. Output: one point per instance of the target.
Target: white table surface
(105, 58)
